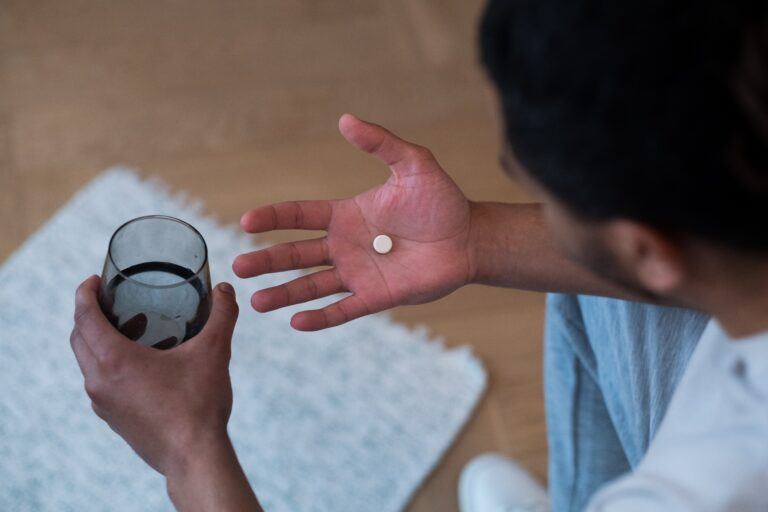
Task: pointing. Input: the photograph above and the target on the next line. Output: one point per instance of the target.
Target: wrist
(203, 455)
(478, 233)
(211, 478)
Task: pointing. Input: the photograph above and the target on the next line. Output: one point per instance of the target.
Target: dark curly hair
(651, 110)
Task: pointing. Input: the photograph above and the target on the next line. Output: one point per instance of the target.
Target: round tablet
(382, 244)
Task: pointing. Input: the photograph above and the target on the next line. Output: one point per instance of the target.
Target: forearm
(512, 246)
(211, 479)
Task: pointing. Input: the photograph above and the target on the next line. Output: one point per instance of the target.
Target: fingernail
(226, 288)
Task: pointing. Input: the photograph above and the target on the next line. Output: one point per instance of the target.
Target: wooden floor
(236, 101)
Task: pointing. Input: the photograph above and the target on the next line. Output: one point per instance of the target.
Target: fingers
(305, 288)
(166, 343)
(135, 327)
(85, 358)
(337, 313)
(223, 317)
(288, 256)
(289, 215)
(100, 336)
(403, 157)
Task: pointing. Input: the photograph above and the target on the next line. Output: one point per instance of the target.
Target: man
(643, 128)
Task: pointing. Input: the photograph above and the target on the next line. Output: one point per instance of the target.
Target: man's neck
(747, 320)
(736, 294)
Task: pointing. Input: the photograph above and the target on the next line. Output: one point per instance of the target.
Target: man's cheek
(563, 234)
(572, 238)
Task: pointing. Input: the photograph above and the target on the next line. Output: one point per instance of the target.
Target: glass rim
(196, 273)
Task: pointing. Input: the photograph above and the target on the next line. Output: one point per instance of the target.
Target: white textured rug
(348, 419)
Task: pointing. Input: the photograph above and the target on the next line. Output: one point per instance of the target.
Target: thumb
(221, 322)
(404, 158)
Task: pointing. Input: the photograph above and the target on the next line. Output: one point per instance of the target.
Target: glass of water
(156, 287)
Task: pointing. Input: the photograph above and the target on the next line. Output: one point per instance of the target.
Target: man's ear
(656, 259)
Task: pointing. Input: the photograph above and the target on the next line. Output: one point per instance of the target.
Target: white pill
(382, 244)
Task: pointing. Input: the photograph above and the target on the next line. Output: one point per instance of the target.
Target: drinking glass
(156, 287)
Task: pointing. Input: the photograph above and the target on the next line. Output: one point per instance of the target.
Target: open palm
(419, 207)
